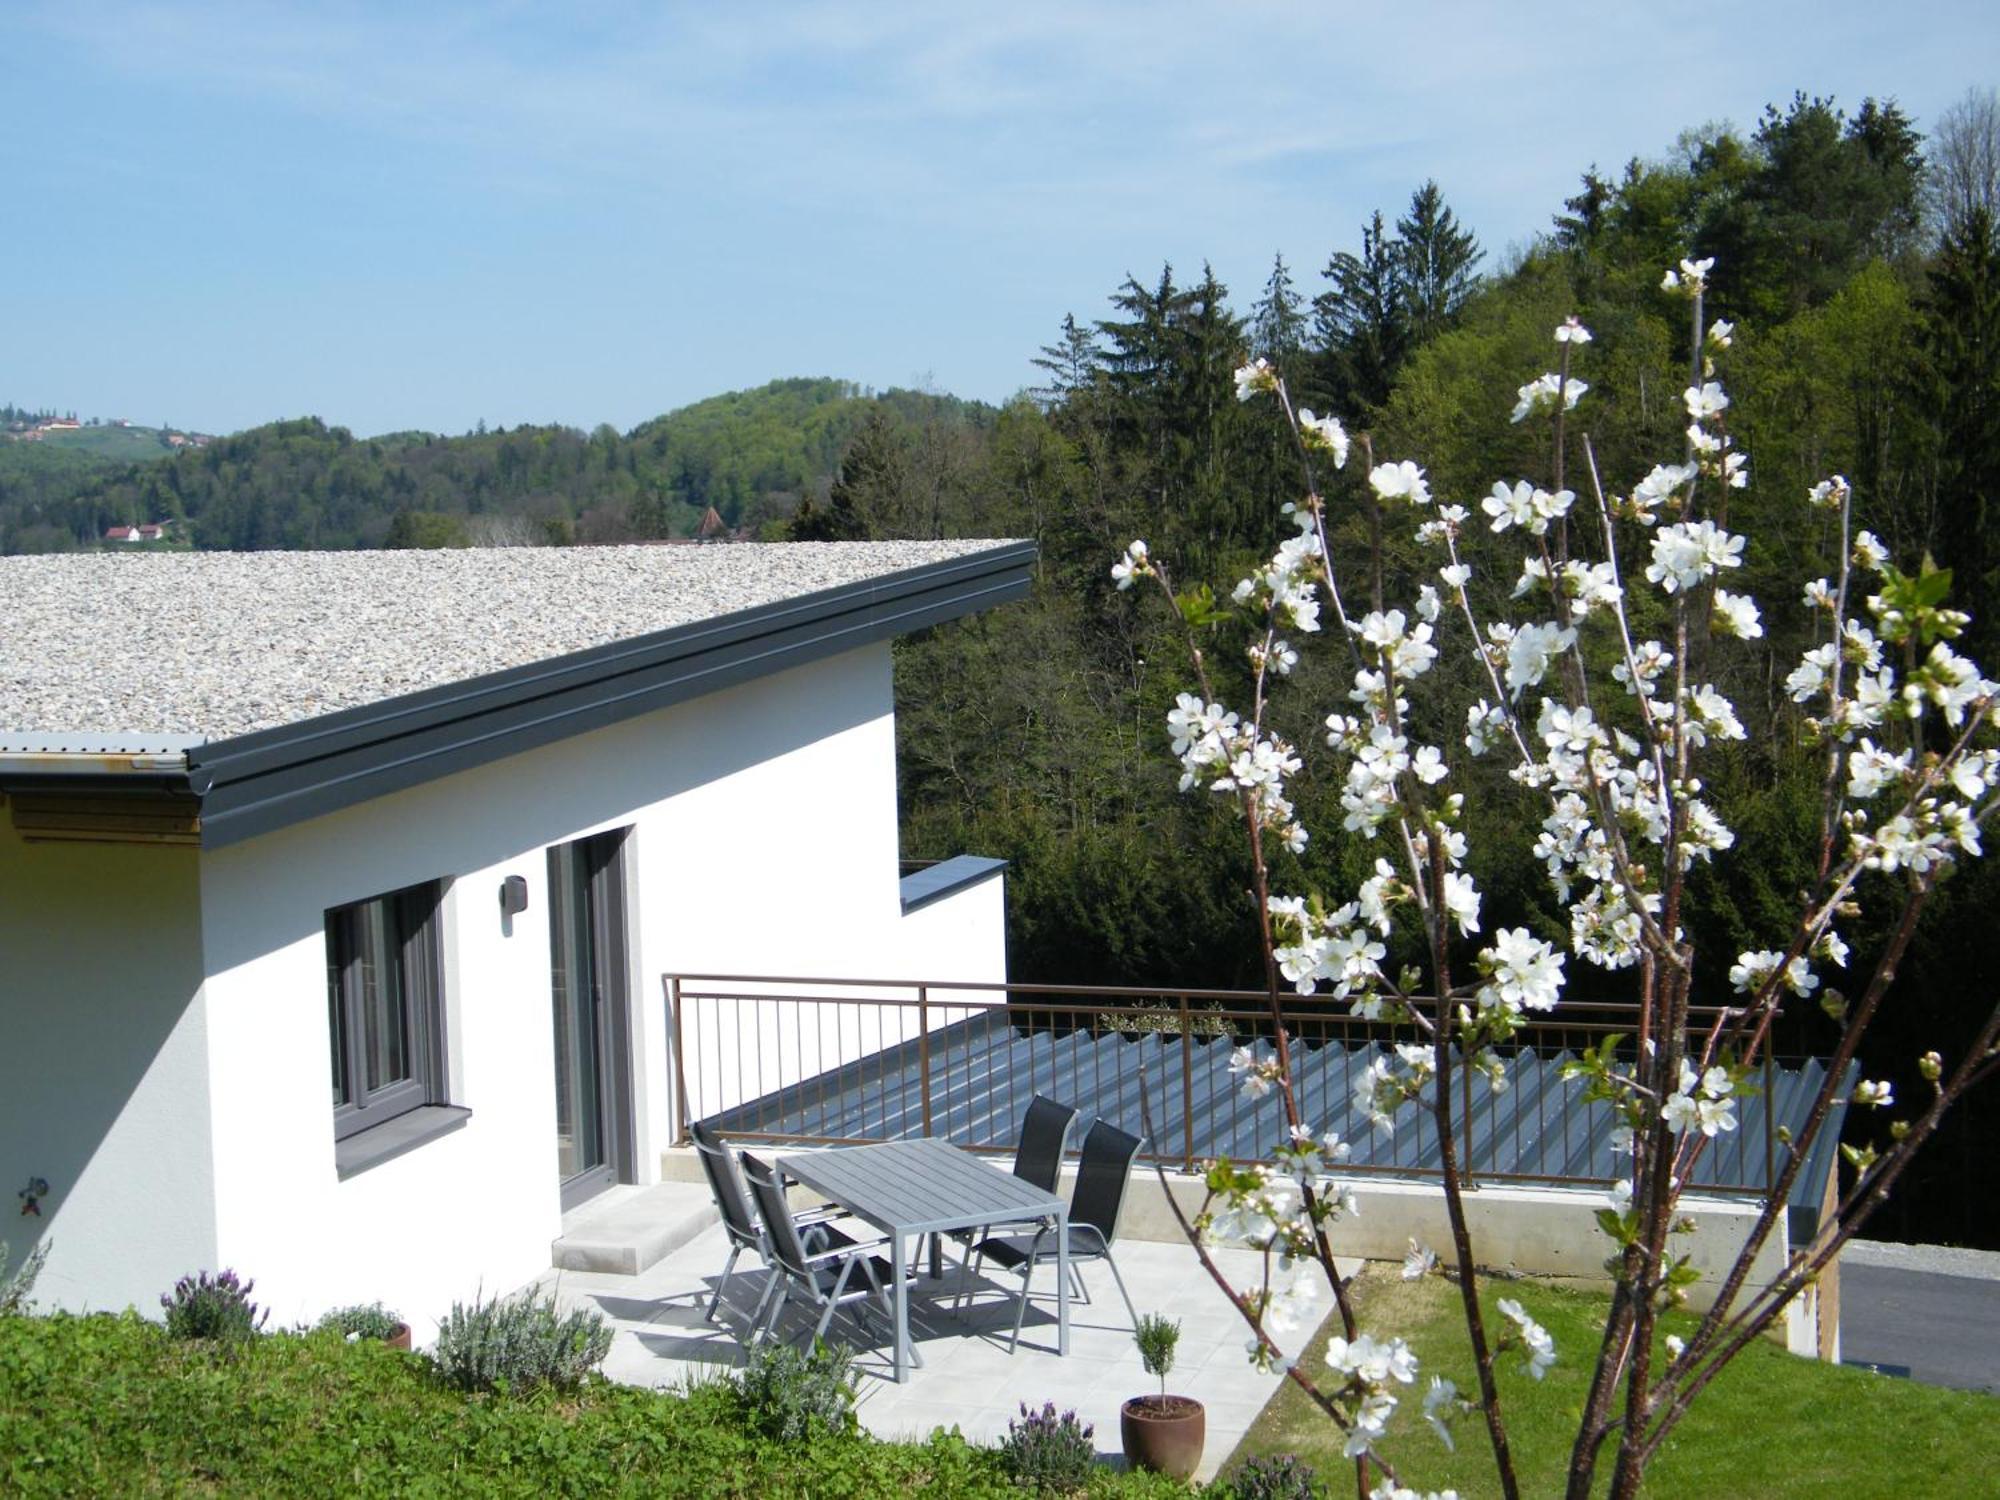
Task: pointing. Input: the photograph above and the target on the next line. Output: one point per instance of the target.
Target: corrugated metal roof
(985, 1070)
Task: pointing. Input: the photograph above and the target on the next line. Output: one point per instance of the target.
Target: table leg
(902, 1308)
(937, 1256)
(1062, 1282)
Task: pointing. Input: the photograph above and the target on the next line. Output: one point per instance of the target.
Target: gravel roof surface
(215, 644)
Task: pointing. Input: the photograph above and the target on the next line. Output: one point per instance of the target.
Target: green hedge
(109, 1406)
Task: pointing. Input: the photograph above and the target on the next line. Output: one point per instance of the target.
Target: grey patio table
(913, 1188)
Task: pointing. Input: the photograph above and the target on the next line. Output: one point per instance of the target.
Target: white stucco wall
(764, 841)
(104, 1068)
(738, 1047)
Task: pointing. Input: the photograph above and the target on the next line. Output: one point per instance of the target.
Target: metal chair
(821, 1277)
(1094, 1207)
(739, 1220)
(1038, 1157)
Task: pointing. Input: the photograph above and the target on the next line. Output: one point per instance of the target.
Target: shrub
(14, 1288)
(364, 1320)
(792, 1395)
(1278, 1476)
(213, 1307)
(1047, 1453)
(520, 1343)
(1157, 1338)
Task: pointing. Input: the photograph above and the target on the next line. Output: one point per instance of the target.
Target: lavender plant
(1611, 759)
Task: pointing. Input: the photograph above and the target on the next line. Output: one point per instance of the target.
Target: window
(385, 1010)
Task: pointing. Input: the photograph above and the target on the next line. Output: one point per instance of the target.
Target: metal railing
(848, 1061)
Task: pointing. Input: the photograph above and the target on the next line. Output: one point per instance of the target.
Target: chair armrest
(840, 1252)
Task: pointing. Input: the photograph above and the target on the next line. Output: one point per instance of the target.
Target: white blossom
(1539, 395)
(1325, 434)
(1688, 551)
(1657, 488)
(1136, 563)
(1736, 614)
(1400, 481)
(1255, 377)
(1570, 331)
(1535, 1340)
(1531, 650)
(1829, 494)
(1522, 973)
(1690, 278)
(1526, 506)
(1705, 401)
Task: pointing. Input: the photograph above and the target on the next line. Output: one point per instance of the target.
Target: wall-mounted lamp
(513, 896)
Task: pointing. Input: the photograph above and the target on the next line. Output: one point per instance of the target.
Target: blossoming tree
(1604, 728)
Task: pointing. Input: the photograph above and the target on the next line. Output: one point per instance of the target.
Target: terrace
(790, 1064)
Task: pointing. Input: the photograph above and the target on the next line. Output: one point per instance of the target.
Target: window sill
(357, 1153)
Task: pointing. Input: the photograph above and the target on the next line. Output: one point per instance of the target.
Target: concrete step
(626, 1229)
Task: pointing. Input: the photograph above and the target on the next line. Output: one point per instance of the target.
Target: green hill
(751, 455)
(112, 444)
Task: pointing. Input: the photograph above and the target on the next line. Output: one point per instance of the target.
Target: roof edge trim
(256, 783)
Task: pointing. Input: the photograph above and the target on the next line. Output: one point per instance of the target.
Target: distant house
(121, 534)
(402, 844)
(152, 532)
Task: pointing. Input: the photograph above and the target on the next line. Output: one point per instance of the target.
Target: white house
(335, 901)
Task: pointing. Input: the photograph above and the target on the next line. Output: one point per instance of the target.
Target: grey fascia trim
(273, 778)
(946, 878)
(357, 1153)
(106, 770)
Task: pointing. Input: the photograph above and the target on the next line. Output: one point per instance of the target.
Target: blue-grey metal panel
(984, 1071)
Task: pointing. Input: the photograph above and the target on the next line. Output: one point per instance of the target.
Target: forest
(1857, 259)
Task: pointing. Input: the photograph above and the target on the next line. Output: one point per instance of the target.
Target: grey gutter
(255, 783)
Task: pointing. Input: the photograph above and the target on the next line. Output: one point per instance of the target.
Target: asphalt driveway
(1924, 1311)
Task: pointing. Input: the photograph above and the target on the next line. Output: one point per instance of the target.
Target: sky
(427, 215)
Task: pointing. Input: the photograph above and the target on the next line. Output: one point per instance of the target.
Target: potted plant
(370, 1320)
(1162, 1433)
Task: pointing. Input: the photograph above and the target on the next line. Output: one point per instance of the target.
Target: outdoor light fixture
(513, 896)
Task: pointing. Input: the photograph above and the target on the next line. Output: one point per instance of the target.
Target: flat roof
(210, 645)
(274, 686)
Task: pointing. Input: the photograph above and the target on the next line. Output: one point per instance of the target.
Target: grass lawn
(1772, 1425)
(110, 1406)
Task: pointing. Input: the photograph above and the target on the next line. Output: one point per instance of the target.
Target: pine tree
(1278, 324)
(1439, 264)
(867, 498)
(1072, 364)
(1360, 322)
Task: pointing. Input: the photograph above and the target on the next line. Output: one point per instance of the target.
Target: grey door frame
(603, 857)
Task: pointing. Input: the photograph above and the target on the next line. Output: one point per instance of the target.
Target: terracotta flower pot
(1163, 1434)
(399, 1338)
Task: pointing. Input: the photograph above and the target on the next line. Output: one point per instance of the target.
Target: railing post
(1187, 1088)
(924, 1052)
(673, 983)
(1465, 1117)
(1770, 1127)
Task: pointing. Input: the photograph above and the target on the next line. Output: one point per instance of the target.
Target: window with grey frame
(385, 1007)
